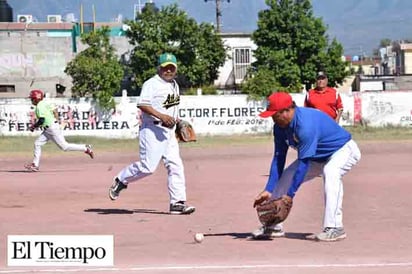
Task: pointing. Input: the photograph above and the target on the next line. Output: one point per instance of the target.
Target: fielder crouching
(324, 148)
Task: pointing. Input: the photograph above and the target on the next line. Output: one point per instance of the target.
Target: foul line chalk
(204, 267)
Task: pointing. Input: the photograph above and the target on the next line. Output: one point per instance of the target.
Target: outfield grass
(24, 145)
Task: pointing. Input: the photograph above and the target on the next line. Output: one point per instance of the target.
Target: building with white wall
(240, 57)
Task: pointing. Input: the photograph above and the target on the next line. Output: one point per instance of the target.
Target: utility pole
(218, 14)
(137, 9)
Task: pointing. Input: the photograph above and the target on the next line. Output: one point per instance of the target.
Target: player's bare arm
(56, 114)
(338, 114)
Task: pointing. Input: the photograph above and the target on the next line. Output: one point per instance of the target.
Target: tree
(198, 49)
(385, 42)
(96, 72)
(292, 46)
(263, 82)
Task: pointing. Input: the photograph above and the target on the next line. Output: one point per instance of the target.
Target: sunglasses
(168, 68)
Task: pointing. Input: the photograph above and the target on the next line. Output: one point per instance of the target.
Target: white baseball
(199, 237)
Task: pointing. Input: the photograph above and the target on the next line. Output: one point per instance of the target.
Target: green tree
(385, 42)
(292, 46)
(263, 82)
(198, 49)
(96, 71)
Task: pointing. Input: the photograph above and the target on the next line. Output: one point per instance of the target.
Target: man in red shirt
(325, 98)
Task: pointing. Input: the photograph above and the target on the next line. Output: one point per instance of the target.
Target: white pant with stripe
(158, 143)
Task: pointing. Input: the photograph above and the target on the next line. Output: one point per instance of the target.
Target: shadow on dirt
(124, 211)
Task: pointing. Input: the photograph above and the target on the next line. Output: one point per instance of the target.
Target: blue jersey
(314, 135)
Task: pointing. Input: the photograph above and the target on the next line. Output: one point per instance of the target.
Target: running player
(47, 121)
(158, 102)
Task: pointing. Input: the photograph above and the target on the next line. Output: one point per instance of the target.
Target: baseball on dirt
(199, 237)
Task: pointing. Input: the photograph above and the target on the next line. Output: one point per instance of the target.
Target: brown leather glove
(185, 132)
(275, 211)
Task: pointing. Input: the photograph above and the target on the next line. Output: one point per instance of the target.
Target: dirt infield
(69, 196)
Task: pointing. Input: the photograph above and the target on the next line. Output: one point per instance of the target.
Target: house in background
(404, 58)
(391, 72)
(240, 52)
(34, 55)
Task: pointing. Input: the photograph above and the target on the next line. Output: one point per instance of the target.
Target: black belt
(46, 127)
(157, 122)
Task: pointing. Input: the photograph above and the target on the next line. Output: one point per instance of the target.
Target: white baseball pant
(55, 134)
(332, 172)
(158, 143)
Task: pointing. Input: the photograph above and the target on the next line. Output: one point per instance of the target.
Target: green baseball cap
(167, 59)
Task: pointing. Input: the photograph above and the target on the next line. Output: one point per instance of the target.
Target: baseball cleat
(114, 190)
(331, 234)
(89, 151)
(31, 167)
(181, 208)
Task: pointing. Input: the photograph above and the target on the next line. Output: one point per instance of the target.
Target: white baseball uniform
(157, 142)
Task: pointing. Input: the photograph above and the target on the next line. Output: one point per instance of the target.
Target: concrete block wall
(34, 60)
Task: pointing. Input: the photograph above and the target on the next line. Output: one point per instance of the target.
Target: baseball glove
(185, 132)
(275, 211)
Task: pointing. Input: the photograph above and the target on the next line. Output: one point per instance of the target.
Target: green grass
(389, 133)
(24, 145)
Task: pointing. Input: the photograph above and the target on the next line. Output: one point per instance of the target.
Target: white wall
(371, 85)
(210, 115)
(408, 62)
(384, 108)
(226, 71)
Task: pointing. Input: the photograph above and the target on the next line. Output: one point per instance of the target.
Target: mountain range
(359, 25)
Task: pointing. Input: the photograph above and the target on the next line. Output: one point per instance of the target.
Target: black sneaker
(115, 189)
(31, 167)
(181, 208)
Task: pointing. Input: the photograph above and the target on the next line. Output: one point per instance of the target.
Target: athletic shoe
(115, 189)
(181, 208)
(331, 234)
(267, 233)
(89, 151)
(31, 167)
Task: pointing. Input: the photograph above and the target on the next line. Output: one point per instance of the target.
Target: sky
(358, 25)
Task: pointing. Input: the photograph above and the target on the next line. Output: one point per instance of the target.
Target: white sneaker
(267, 233)
(331, 234)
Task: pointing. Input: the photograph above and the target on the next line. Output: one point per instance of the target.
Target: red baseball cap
(277, 101)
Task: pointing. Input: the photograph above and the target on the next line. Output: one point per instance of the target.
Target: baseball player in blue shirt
(323, 147)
